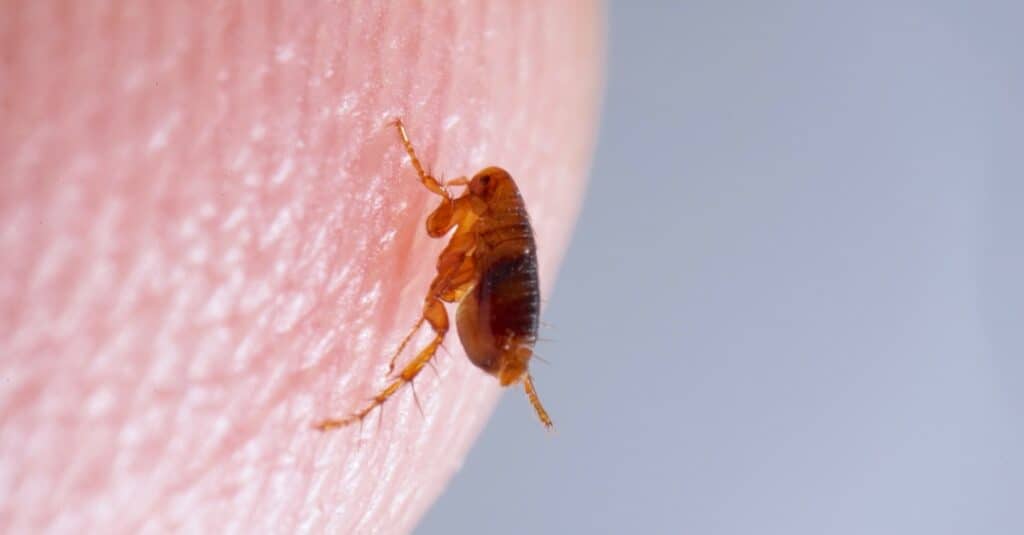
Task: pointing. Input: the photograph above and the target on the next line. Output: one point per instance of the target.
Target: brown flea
(490, 268)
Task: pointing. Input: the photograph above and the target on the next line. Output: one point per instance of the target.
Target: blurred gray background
(793, 300)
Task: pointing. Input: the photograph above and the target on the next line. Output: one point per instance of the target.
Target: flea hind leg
(448, 288)
(435, 314)
(405, 342)
(450, 274)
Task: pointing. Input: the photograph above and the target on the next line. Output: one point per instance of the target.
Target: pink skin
(211, 240)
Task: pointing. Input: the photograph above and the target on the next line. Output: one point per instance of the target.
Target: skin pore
(212, 239)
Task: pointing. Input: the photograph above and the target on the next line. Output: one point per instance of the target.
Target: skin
(211, 240)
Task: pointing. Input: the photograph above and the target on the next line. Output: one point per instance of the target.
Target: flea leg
(450, 273)
(448, 289)
(456, 283)
(405, 342)
(435, 314)
(460, 283)
(531, 393)
(429, 181)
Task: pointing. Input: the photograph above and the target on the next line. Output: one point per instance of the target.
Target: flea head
(488, 181)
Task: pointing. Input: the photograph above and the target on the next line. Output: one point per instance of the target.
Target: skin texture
(211, 239)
